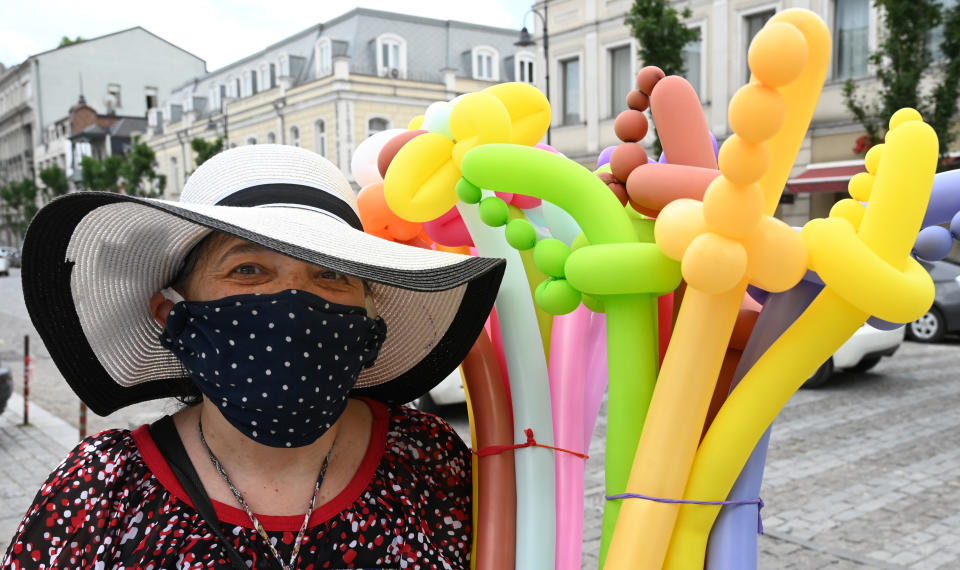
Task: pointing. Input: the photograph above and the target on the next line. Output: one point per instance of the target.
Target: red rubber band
(531, 442)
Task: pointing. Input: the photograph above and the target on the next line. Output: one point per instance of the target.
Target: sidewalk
(27, 456)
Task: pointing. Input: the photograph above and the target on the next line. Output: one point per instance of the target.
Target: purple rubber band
(758, 501)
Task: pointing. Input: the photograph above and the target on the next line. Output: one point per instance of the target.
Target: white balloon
(437, 118)
(363, 164)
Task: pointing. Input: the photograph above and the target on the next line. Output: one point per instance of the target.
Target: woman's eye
(247, 269)
(331, 274)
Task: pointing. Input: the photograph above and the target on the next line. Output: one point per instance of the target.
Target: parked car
(860, 353)
(944, 315)
(6, 386)
(4, 266)
(11, 254)
(447, 392)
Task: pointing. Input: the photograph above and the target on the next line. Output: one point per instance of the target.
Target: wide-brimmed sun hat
(92, 260)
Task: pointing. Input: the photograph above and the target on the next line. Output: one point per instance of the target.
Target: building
(592, 66)
(332, 85)
(122, 74)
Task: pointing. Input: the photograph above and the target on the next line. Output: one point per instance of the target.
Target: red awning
(825, 177)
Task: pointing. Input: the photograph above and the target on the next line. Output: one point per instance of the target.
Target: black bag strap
(165, 436)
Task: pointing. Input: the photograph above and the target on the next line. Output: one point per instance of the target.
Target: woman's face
(233, 266)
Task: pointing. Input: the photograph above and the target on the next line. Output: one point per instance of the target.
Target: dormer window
(486, 63)
(524, 70)
(391, 56)
(323, 56)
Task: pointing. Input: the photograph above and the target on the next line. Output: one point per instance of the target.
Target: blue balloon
(934, 242)
(605, 155)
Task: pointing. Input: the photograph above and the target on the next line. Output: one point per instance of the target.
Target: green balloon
(521, 234)
(557, 297)
(468, 192)
(579, 241)
(494, 211)
(595, 304)
(550, 255)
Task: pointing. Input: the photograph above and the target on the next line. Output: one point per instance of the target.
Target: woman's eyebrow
(243, 248)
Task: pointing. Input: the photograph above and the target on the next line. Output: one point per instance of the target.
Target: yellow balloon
(420, 184)
(529, 111)
(415, 123)
(478, 118)
(867, 271)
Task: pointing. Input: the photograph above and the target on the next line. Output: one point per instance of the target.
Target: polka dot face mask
(279, 367)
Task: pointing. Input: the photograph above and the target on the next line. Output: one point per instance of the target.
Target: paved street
(864, 473)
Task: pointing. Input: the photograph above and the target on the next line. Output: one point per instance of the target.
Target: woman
(259, 296)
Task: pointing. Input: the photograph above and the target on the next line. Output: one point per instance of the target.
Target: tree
(661, 35)
(18, 204)
(135, 173)
(139, 171)
(903, 61)
(54, 182)
(205, 149)
(68, 42)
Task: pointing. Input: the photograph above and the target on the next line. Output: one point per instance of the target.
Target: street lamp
(526, 40)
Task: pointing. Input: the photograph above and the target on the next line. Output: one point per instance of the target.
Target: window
(486, 64)
(265, 77)
(391, 56)
(570, 80)
(852, 19)
(294, 135)
(150, 93)
(221, 97)
(252, 74)
(523, 70)
(113, 93)
(320, 137)
(621, 80)
(377, 124)
(252, 139)
(323, 56)
(752, 23)
(236, 88)
(271, 138)
(273, 75)
(692, 58)
(935, 36)
(284, 64)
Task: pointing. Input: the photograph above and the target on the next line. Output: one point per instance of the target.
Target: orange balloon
(379, 220)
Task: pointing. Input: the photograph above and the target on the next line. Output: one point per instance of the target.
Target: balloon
(944, 198)
(631, 345)
(604, 157)
(529, 388)
(571, 371)
(739, 241)
(683, 133)
(849, 262)
(420, 182)
(933, 243)
(392, 147)
(363, 163)
(437, 118)
(379, 220)
(496, 496)
(448, 229)
(529, 111)
(548, 148)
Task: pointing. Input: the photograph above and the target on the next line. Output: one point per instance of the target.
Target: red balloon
(392, 147)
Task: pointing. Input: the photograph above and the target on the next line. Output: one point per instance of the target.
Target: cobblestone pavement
(864, 473)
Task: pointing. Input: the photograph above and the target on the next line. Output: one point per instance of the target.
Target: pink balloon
(578, 379)
(545, 146)
(519, 200)
(448, 229)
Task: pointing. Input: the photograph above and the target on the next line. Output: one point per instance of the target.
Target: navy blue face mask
(279, 367)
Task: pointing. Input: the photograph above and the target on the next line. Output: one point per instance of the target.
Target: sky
(218, 31)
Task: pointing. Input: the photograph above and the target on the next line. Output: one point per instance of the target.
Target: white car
(860, 353)
(448, 391)
(4, 266)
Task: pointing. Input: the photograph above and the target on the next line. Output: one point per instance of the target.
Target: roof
(123, 128)
(141, 28)
(825, 176)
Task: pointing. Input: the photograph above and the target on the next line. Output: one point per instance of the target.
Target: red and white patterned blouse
(114, 503)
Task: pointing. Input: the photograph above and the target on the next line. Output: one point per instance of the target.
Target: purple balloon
(604, 157)
(944, 198)
(934, 242)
